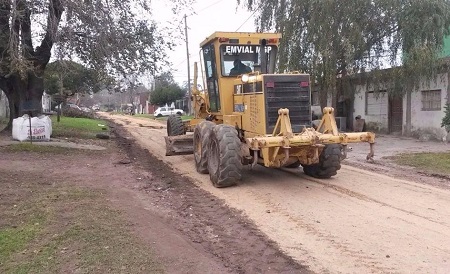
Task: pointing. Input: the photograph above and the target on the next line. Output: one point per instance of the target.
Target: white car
(166, 111)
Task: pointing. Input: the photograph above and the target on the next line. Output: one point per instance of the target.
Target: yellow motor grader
(248, 115)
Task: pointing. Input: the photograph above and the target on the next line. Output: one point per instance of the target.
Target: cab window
(211, 77)
(240, 59)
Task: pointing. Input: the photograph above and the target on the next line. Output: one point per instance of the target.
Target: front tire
(329, 163)
(175, 126)
(202, 134)
(224, 156)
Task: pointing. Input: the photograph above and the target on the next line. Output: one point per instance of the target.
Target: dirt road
(356, 222)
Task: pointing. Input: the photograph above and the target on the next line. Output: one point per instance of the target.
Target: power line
(251, 15)
(205, 8)
(196, 13)
(185, 59)
(179, 64)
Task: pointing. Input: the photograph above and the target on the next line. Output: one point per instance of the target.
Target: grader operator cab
(249, 115)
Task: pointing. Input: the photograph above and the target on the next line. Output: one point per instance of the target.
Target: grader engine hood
(291, 91)
(259, 98)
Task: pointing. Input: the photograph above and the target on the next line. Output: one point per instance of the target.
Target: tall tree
(166, 90)
(70, 77)
(332, 39)
(109, 35)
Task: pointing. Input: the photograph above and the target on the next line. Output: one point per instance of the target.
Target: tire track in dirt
(360, 196)
(358, 221)
(210, 225)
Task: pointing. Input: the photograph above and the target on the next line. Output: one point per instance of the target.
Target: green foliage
(166, 90)
(340, 38)
(75, 78)
(446, 120)
(166, 94)
(116, 38)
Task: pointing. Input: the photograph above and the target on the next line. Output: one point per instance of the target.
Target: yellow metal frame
(277, 149)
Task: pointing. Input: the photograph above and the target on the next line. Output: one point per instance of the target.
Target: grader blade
(179, 145)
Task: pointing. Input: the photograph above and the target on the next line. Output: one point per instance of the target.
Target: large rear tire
(329, 163)
(224, 156)
(202, 135)
(175, 126)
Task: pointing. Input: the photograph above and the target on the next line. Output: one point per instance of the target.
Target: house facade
(46, 103)
(418, 113)
(4, 107)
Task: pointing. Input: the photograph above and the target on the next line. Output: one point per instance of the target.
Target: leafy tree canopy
(70, 77)
(115, 37)
(339, 38)
(166, 90)
(446, 119)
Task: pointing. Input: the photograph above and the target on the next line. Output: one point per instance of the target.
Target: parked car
(166, 111)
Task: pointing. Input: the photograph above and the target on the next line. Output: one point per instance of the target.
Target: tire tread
(175, 126)
(230, 165)
(329, 163)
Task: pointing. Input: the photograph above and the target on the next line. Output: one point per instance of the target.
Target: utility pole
(188, 66)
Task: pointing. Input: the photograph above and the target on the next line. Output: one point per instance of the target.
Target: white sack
(41, 128)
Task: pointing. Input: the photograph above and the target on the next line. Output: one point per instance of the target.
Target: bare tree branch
(43, 52)
(14, 34)
(5, 11)
(25, 26)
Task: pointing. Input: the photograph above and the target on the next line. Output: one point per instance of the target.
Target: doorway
(395, 115)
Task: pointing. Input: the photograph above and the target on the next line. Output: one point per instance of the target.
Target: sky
(210, 16)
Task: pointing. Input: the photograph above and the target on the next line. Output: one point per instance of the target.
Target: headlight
(245, 78)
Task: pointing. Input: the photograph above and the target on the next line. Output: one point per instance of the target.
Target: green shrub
(446, 120)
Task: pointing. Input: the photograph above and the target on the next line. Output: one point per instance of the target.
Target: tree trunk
(24, 96)
(408, 113)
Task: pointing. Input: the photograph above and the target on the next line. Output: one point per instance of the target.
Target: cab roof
(240, 35)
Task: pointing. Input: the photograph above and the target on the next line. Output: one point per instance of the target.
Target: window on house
(376, 103)
(431, 99)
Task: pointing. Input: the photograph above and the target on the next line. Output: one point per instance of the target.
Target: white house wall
(46, 102)
(378, 115)
(429, 120)
(3, 105)
(422, 122)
